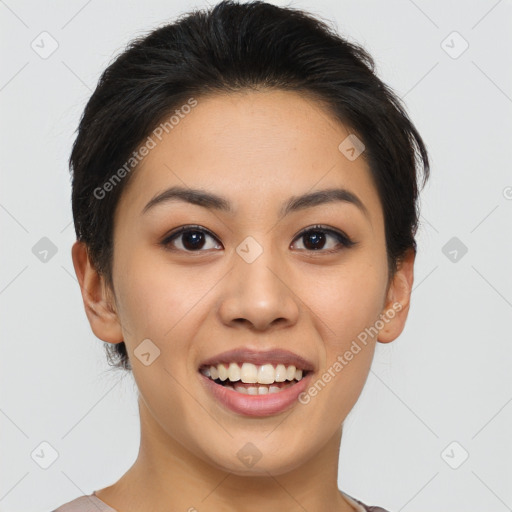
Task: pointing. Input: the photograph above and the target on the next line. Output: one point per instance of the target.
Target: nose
(258, 295)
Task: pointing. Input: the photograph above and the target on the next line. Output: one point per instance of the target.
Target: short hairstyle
(228, 48)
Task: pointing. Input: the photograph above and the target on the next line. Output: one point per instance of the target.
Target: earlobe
(98, 304)
(398, 299)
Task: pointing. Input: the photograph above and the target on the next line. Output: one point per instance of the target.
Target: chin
(249, 461)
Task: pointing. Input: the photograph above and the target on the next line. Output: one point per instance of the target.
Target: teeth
(258, 390)
(290, 372)
(251, 374)
(266, 374)
(280, 373)
(223, 372)
(233, 372)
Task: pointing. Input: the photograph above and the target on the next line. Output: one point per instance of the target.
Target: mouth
(256, 383)
(251, 379)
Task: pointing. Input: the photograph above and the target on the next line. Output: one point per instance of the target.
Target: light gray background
(447, 378)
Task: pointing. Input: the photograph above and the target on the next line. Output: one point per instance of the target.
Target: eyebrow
(293, 204)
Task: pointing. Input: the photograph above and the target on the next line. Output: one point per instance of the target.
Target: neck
(167, 476)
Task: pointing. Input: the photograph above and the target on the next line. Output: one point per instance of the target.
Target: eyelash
(343, 240)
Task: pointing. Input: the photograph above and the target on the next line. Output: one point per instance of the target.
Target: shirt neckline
(357, 506)
(102, 504)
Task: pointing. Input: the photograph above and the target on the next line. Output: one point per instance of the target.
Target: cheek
(157, 303)
(166, 304)
(154, 295)
(348, 309)
(347, 301)
(347, 305)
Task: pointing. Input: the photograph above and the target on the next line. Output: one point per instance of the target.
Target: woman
(245, 202)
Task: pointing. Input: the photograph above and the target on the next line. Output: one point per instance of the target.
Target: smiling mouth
(250, 379)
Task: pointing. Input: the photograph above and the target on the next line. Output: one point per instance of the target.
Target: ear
(398, 299)
(98, 301)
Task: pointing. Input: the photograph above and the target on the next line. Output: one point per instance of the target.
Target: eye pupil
(193, 240)
(317, 237)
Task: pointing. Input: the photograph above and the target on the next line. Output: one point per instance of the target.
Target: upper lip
(259, 357)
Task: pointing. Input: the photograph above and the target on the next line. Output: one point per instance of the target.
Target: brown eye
(318, 237)
(190, 239)
(314, 239)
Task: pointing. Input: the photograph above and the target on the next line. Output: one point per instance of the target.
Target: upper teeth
(250, 373)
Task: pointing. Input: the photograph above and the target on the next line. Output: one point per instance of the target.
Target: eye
(316, 237)
(190, 239)
(195, 239)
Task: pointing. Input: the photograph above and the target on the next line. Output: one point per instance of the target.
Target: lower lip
(256, 405)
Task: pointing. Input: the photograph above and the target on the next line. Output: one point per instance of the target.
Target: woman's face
(254, 274)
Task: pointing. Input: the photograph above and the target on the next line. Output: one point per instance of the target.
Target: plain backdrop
(431, 430)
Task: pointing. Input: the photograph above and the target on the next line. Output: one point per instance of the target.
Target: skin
(257, 149)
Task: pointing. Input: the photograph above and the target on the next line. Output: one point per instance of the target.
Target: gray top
(91, 503)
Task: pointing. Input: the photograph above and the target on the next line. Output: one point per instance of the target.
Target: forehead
(255, 145)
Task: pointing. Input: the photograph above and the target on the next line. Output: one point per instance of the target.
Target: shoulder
(86, 503)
